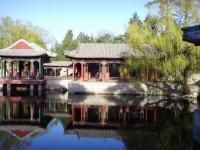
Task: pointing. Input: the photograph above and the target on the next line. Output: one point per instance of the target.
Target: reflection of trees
(173, 131)
(178, 134)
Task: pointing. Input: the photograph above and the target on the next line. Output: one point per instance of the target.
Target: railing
(22, 78)
(57, 77)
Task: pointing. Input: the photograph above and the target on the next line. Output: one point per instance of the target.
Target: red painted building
(99, 61)
(22, 64)
(23, 59)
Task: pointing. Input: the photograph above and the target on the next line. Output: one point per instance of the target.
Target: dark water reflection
(97, 122)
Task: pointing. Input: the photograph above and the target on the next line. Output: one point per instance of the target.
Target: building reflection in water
(22, 117)
(85, 110)
(93, 110)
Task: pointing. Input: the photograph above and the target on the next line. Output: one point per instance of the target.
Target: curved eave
(48, 65)
(22, 56)
(26, 56)
(96, 58)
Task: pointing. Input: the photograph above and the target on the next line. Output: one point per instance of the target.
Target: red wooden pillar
(74, 69)
(103, 72)
(32, 68)
(108, 73)
(82, 71)
(12, 68)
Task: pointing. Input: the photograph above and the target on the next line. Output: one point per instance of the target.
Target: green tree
(119, 38)
(68, 43)
(11, 31)
(57, 48)
(104, 37)
(162, 32)
(84, 38)
(135, 18)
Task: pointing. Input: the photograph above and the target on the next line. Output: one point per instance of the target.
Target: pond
(97, 122)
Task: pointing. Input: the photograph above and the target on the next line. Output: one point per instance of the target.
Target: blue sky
(88, 16)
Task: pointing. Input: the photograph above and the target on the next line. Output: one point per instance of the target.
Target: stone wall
(57, 84)
(116, 87)
(112, 87)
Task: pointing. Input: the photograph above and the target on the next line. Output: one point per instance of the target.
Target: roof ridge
(18, 41)
(36, 50)
(102, 43)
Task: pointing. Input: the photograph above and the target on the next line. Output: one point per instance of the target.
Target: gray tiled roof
(102, 50)
(58, 64)
(34, 51)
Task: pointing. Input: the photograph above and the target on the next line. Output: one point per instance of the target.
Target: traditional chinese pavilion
(98, 60)
(22, 64)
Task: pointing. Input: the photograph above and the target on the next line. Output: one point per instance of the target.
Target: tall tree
(162, 32)
(135, 18)
(119, 38)
(57, 48)
(68, 43)
(11, 31)
(104, 37)
(84, 38)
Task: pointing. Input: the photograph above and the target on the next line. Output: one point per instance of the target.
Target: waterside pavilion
(99, 60)
(58, 70)
(22, 66)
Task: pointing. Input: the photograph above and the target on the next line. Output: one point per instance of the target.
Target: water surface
(97, 122)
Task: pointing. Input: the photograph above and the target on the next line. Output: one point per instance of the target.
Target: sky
(88, 16)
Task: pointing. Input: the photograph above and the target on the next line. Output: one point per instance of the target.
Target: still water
(97, 122)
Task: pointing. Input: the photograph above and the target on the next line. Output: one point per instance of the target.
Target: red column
(103, 72)
(82, 71)
(108, 73)
(32, 68)
(74, 69)
(12, 68)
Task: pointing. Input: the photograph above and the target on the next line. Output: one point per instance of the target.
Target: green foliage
(172, 130)
(84, 38)
(59, 51)
(106, 37)
(11, 31)
(135, 19)
(162, 32)
(68, 43)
